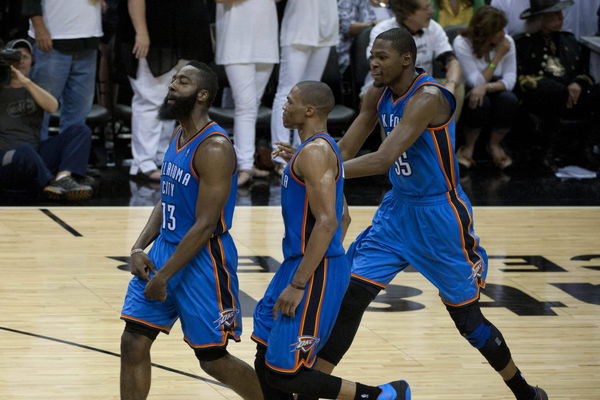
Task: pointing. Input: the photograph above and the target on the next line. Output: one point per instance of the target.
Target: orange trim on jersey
(464, 302)
(381, 97)
(259, 340)
(192, 168)
(440, 159)
(223, 263)
(409, 89)
(304, 219)
(304, 312)
(450, 157)
(462, 235)
(223, 223)
(216, 273)
(445, 124)
(362, 278)
(469, 228)
(292, 172)
(339, 161)
(223, 342)
(192, 138)
(325, 265)
(294, 369)
(141, 321)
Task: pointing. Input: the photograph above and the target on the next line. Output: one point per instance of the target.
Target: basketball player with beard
(190, 271)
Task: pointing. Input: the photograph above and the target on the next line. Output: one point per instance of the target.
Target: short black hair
(207, 79)
(402, 41)
(317, 94)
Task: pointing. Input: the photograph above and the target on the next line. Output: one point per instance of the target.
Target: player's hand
(476, 96)
(141, 265)
(141, 46)
(288, 302)
(574, 93)
(284, 150)
(156, 289)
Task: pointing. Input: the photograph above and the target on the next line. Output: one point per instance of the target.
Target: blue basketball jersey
(428, 167)
(297, 216)
(179, 187)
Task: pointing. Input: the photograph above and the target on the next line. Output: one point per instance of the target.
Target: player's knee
(214, 362)
(357, 299)
(282, 382)
(136, 341)
(470, 323)
(482, 334)
(359, 296)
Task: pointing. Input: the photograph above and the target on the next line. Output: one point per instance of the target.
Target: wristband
(138, 250)
(297, 287)
(492, 65)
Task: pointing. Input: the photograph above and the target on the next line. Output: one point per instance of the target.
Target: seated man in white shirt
(431, 40)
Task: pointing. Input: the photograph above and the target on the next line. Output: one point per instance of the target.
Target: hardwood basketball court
(64, 277)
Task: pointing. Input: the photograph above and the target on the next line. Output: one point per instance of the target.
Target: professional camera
(8, 57)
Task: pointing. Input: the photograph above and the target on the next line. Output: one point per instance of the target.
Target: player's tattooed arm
(428, 107)
(214, 163)
(317, 165)
(362, 126)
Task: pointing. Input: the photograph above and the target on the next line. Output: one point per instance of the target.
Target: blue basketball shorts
(433, 234)
(295, 342)
(203, 295)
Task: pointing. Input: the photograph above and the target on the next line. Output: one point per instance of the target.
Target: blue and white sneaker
(397, 390)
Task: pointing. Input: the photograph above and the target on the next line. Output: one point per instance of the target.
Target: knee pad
(210, 354)
(139, 329)
(482, 334)
(357, 299)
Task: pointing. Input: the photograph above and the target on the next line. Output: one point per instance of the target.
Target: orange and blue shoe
(397, 390)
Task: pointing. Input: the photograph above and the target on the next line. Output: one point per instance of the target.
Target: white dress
(299, 28)
(245, 32)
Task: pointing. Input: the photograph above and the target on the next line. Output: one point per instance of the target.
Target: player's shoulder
(215, 145)
(372, 96)
(316, 151)
(429, 92)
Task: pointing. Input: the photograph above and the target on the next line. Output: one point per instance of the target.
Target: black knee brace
(358, 297)
(269, 393)
(140, 329)
(308, 382)
(210, 354)
(481, 333)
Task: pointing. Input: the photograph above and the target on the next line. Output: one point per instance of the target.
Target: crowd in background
(525, 82)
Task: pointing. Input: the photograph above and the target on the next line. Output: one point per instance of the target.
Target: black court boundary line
(60, 222)
(110, 353)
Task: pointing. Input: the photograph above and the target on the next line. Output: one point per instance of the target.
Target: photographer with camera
(25, 161)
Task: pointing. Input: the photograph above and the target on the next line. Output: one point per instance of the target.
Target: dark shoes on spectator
(67, 188)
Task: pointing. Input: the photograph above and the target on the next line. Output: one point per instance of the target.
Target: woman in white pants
(247, 47)
(308, 31)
